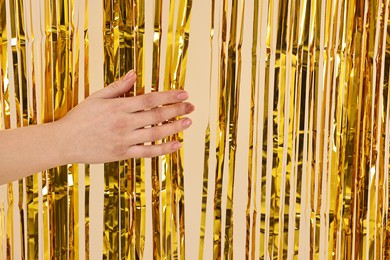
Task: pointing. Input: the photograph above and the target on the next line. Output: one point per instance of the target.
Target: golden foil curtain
(312, 77)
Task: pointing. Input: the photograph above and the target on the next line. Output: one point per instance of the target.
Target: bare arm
(102, 128)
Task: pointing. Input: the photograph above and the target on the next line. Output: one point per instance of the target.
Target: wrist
(63, 143)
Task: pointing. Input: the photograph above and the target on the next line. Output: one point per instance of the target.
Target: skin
(102, 128)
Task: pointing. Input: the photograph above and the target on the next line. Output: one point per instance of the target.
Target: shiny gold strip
(233, 89)
(32, 217)
(87, 214)
(181, 52)
(385, 117)
(112, 71)
(369, 121)
(58, 220)
(30, 118)
(47, 208)
(11, 99)
(73, 170)
(155, 162)
(377, 110)
(361, 176)
(221, 139)
(10, 223)
(47, 89)
(140, 175)
(291, 175)
(268, 151)
(63, 93)
(20, 62)
(251, 208)
(168, 232)
(260, 110)
(4, 119)
(85, 70)
(172, 173)
(140, 209)
(111, 214)
(73, 211)
(132, 208)
(128, 220)
(62, 58)
(22, 215)
(386, 185)
(46, 113)
(80, 59)
(379, 201)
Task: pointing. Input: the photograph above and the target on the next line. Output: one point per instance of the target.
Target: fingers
(117, 88)
(159, 132)
(147, 151)
(161, 114)
(152, 100)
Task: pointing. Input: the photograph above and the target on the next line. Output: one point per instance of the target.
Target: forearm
(27, 150)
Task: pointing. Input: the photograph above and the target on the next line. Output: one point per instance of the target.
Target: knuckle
(158, 114)
(155, 133)
(118, 149)
(149, 101)
(117, 123)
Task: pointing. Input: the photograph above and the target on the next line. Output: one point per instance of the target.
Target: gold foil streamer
(172, 167)
(155, 162)
(114, 48)
(87, 183)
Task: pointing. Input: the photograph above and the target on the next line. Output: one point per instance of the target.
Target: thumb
(117, 88)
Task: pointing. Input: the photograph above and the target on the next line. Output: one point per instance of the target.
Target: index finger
(152, 100)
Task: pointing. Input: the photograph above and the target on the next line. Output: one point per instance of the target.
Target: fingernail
(129, 75)
(190, 108)
(176, 145)
(182, 95)
(186, 123)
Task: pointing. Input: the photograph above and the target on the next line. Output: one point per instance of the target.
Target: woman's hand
(102, 128)
(107, 128)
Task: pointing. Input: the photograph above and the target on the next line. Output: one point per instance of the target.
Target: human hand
(106, 128)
